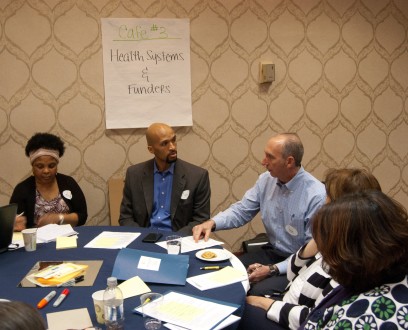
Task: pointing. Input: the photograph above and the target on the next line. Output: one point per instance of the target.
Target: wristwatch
(273, 270)
(61, 219)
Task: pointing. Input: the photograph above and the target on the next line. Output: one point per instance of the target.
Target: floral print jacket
(384, 307)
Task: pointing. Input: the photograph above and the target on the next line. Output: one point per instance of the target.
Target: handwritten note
(146, 71)
(189, 311)
(149, 263)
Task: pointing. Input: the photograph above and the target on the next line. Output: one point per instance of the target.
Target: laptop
(7, 217)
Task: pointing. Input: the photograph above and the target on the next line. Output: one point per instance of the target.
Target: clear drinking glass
(151, 302)
(173, 244)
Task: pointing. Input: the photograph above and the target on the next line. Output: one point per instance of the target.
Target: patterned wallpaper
(341, 83)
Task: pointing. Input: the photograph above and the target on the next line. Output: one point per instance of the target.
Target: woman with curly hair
(48, 197)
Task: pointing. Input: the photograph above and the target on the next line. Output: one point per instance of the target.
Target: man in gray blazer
(165, 193)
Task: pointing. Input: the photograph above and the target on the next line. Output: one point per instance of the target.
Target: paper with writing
(149, 263)
(187, 311)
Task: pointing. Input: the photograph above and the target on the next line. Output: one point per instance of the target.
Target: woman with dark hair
(308, 281)
(18, 315)
(363, 239)
(47, 197)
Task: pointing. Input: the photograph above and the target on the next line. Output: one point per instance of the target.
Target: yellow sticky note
(66, 242)
(133, 287)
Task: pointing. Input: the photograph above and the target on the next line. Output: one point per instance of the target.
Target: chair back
(115, 188)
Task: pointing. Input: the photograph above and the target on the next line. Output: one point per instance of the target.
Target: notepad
(70, 319)
(66, 242)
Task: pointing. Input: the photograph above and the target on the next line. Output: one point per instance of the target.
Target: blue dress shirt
(163, 183)
(286, 210)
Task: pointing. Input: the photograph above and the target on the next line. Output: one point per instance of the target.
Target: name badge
(185, 194)
(291, 230)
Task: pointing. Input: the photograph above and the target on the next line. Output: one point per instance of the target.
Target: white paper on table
(70, 319)
(133, 287)
(228, 321)
(223, 277)
(49, 233)
(188, 244)
(188, 311)
(112, 240)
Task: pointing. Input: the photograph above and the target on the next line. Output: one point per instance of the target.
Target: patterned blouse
(42, 206)
(384, 307)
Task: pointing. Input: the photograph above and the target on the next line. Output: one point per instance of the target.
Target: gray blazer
(137, 203)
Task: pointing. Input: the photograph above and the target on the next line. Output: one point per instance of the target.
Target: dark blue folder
(172, 270)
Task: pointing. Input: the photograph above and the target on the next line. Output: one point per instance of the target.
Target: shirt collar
(291, 185)
(169, 170)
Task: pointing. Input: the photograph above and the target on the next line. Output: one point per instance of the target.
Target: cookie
(208, 255)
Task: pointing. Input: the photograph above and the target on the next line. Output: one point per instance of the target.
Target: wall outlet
(266, 72)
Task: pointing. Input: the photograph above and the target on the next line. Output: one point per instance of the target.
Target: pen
(61, 297)
(211, 267)
(44, 301)
(72, 281)
(146, 301)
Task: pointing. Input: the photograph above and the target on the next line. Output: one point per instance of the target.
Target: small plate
(221, 254)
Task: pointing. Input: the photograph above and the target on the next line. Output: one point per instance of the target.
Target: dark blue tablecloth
(16, 264)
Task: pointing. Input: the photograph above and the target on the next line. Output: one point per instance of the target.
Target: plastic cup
(98, 304)
(151, 307)
(30, 239)
(173, 244)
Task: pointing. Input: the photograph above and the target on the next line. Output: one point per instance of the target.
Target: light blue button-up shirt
(286, 210)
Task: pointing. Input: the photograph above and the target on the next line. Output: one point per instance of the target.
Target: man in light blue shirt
(286, 197)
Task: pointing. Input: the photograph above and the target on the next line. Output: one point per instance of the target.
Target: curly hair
(363, 239)
(45, 141)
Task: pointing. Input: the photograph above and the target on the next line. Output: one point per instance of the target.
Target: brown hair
(18, 315)
(363, 239)
(339, 182)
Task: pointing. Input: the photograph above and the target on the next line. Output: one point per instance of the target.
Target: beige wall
(341, 83)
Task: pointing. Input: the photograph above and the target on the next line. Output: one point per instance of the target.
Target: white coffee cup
(30, 239)
(173, 244)
(97, 297)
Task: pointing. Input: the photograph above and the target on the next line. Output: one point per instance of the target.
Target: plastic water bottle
(113, 306)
